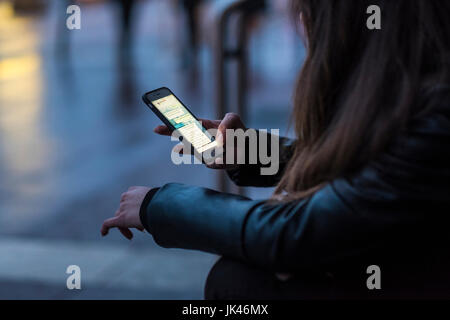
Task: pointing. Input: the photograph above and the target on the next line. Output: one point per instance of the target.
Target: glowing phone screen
(185, 123)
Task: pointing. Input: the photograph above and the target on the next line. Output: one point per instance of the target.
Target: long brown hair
(357, 86)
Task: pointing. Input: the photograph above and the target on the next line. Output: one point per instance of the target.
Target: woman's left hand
(127, 216)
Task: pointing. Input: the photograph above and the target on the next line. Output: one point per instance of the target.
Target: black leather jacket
(394, 213)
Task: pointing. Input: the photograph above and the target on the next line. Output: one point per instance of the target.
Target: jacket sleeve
(251, 175)
(393, 202)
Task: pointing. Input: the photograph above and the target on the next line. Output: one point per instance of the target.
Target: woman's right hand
(230, 121)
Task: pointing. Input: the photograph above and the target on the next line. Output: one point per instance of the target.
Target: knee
(216, 279)
(231, 279)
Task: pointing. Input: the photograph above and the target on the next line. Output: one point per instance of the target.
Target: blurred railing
(232, 22)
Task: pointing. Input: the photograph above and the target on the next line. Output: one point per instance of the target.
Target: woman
(367, 182)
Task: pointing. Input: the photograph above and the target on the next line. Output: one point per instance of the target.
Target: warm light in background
(23, 147)
(6, 10)
(18, 67)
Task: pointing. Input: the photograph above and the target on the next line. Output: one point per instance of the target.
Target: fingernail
(219, 138)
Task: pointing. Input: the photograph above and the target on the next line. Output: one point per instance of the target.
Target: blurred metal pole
(243, 10)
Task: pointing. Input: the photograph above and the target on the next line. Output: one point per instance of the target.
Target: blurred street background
(74, 134)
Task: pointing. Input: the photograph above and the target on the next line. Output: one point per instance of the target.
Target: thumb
(230, 121)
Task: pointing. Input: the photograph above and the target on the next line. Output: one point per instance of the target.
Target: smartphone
(180, 119)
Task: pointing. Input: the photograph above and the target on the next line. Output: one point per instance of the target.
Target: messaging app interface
(184, 122)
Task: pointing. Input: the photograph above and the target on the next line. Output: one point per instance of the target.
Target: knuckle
(233, 116)
(117, 221)
(121, 222)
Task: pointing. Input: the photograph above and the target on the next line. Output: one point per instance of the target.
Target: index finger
(108, 224)
(163, 130)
